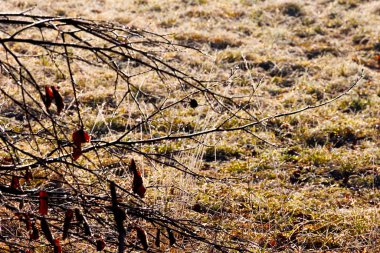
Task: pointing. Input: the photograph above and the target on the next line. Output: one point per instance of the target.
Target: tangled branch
(61, 176)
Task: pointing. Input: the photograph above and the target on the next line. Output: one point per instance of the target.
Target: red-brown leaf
(48, 96)
(133, 167)
(58, 100)
(66, 224)
(43, 201)
(137, 185)
(57, 246)
(15, 184)
(100, 244)
(77, 137)
(80, 136)
(49, 92)
(141, 191)
(141, 234)
(77, 152)
(86, 136)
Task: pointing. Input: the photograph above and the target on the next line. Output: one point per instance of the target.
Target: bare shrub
(65, 172)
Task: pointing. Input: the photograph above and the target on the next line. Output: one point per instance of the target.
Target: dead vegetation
(296, 183)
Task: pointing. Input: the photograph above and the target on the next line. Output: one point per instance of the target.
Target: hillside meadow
(307, 181)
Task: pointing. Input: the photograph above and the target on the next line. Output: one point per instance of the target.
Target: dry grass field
(306, 182)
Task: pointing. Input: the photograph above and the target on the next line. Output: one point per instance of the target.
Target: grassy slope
(317, 189)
